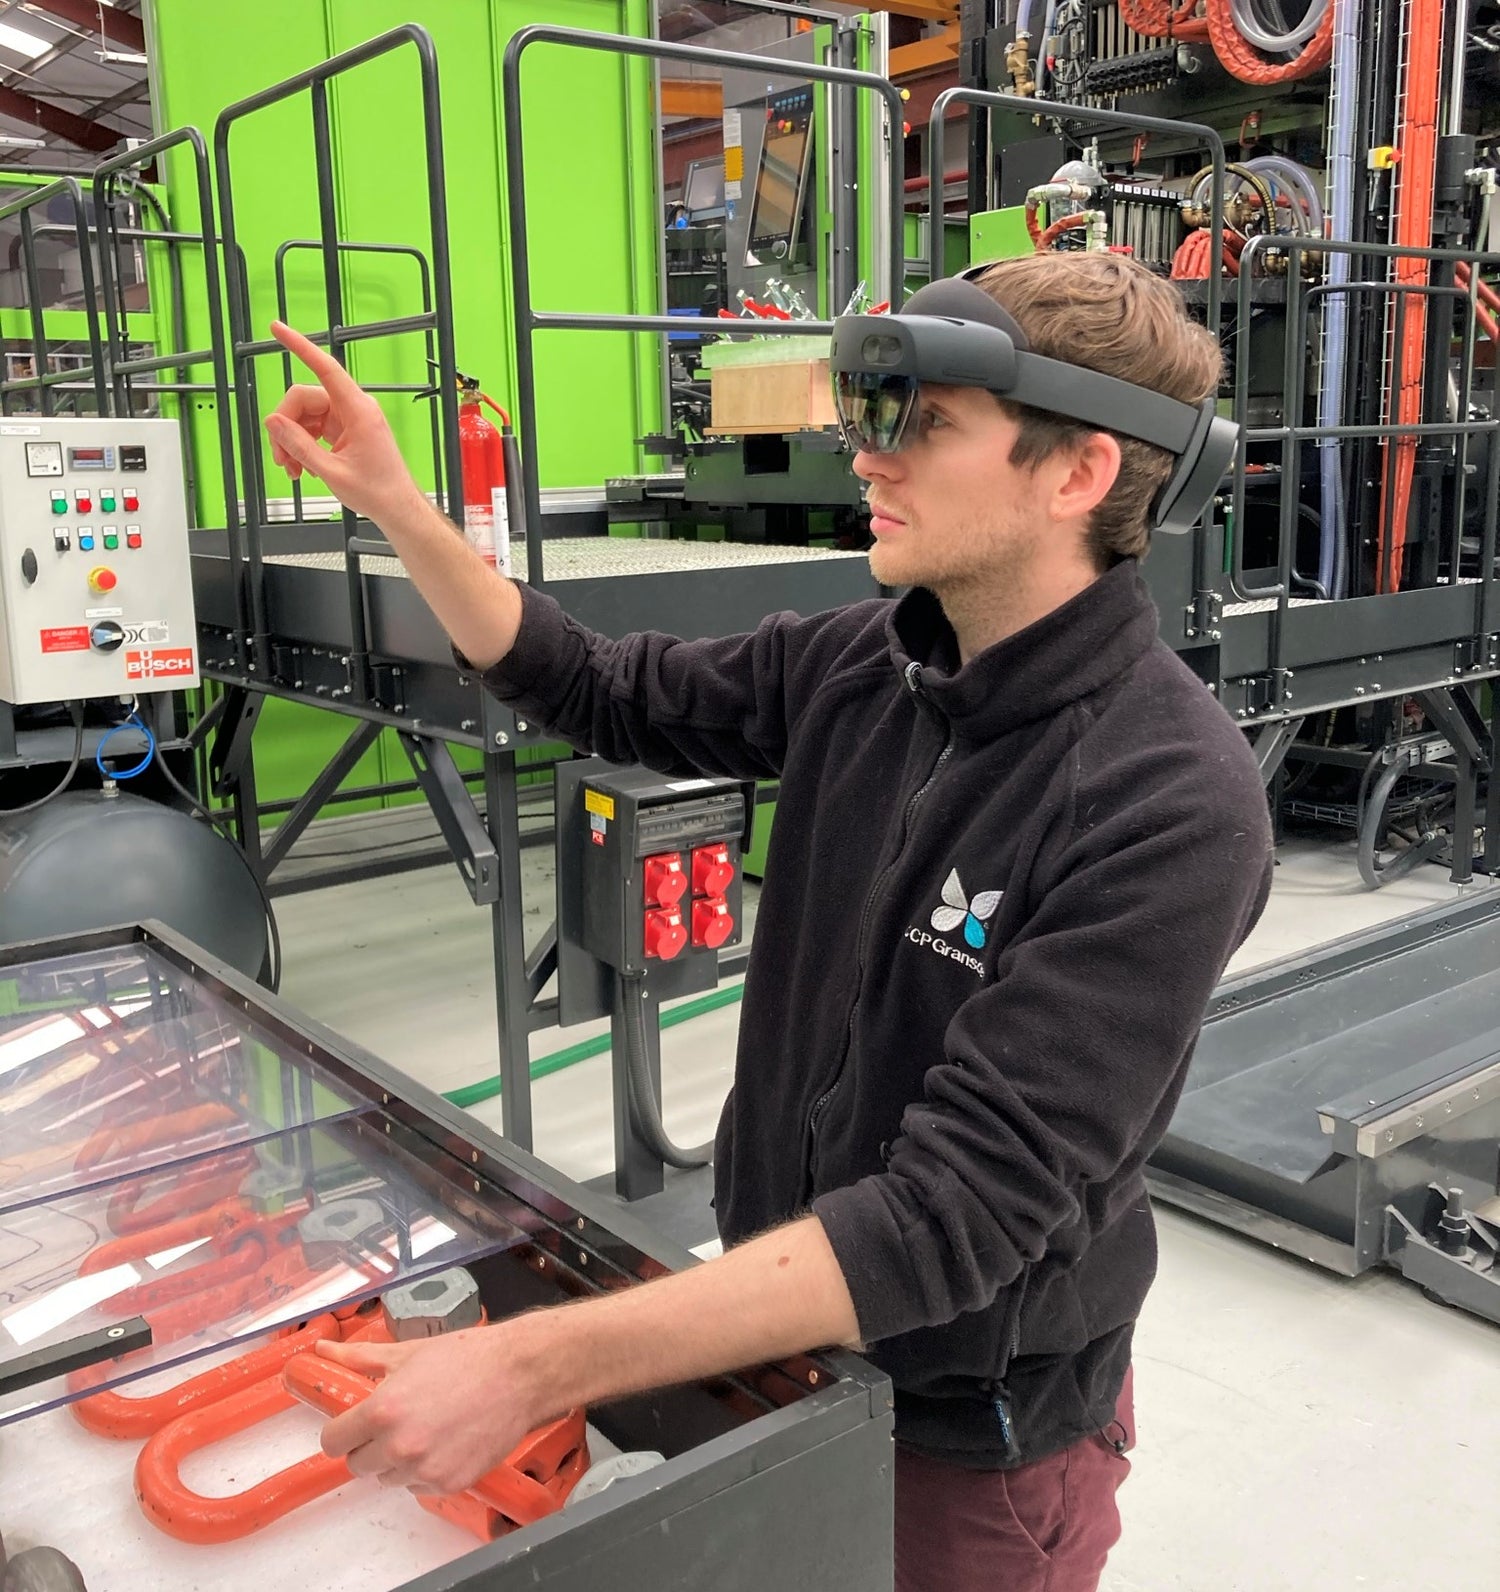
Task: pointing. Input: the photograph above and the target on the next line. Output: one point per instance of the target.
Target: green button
(111, 542)
(107, 503)
(59, 505)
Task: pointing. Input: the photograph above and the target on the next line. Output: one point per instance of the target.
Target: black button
(28, 567)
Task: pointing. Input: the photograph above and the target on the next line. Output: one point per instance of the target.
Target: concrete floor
(1298, 1430)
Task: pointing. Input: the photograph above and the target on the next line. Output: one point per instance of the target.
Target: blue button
(86, 543)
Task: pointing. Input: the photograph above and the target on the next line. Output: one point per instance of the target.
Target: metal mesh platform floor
(591, 557)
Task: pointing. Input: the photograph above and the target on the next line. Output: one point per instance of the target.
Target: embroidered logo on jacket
(957, 908)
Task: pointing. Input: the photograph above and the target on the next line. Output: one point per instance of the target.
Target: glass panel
(341, 1211)
(115, 1061)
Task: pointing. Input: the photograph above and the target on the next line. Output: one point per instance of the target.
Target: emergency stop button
(713, 922)
(666, 881)
(102, 579)
(713, 872)
(665, 934)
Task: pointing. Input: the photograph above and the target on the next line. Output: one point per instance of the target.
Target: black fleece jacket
(997, 900)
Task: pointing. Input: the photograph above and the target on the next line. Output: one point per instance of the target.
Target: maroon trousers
(1046, 1527)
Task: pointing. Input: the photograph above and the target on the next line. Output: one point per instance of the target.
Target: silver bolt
(501, 738)
(583, 1259)
(812, 1378)
(474, 1157)
(1215, 635)
(580, 1224)
(115, 1332)
(522, 726)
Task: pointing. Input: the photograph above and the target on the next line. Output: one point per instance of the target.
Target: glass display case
(195, 1183)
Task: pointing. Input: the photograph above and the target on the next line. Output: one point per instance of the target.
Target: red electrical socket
(664, 934)
(713, 871)
(713, 922)
(666, 883)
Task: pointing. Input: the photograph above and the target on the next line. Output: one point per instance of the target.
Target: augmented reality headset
(953, 333)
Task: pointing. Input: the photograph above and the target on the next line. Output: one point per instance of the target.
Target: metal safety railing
(436, 320)
(529, 321)
(1292, 434)
(42, 381)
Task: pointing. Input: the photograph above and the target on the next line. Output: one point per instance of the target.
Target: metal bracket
(231, 744)
(1461, 1267)
(1264, 693)
(1204, 614)
(448, 796)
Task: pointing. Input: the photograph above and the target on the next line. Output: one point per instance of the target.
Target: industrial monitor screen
(778, 184)
(703, 187)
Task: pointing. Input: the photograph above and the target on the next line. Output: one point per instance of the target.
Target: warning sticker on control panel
(160, 663)
(596, 802)
(149, 633)
(68, 638)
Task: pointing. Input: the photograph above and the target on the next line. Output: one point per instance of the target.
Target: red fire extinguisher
(482, 456)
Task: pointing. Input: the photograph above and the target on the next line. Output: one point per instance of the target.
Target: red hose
(1244, 61)
(1056, 230)
(1157, 19)
(1416, 138)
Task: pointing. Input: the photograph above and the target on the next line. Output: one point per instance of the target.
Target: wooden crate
(789, 395)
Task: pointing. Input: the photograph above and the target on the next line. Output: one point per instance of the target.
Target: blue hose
(134, 722)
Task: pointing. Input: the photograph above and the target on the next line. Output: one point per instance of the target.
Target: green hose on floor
(544, 1066)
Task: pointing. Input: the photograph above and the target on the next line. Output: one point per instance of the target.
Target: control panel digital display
(91, 458)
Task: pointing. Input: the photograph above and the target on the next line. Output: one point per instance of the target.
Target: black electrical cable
(646, 1109)
(76, 710)
(272, 927)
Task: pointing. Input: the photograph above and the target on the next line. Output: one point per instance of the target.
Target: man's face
(950, 509)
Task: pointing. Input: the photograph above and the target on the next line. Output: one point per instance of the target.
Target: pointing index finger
(319, 361)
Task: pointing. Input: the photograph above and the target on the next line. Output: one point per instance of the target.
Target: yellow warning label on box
(734, 163)
(597, 803)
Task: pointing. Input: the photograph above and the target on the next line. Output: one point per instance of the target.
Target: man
(1016, 843)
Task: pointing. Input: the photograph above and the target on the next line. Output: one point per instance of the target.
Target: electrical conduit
(1344, 93)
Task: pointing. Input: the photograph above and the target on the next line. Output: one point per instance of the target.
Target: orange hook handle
(111, 1414)
(173, 1507)
(533, 1481)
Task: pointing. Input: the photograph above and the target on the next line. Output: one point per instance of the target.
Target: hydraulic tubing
(1344, 95)
(1283, 43)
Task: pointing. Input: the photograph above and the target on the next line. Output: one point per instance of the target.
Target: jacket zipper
(999, 1390)
(913, 680)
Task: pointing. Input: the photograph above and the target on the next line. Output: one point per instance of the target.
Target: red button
(132, 502)
(132, 541)
(665, 935)
(712, 922)
(102, 579)
(713, 872)
(85, 505)
(666, 883)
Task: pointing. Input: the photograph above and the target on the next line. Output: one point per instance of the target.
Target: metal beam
(926, 55)
(54, 119)
(119, 27)
(923, 10)
(691, 96)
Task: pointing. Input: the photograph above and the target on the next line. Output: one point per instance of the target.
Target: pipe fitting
(1018, 64)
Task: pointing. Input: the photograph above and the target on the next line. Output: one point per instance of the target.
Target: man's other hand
(361, 466)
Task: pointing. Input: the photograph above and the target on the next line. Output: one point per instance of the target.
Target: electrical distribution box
(96, 593)
(661, 867)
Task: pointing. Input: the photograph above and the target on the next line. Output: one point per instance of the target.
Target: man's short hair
(1111, 314)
